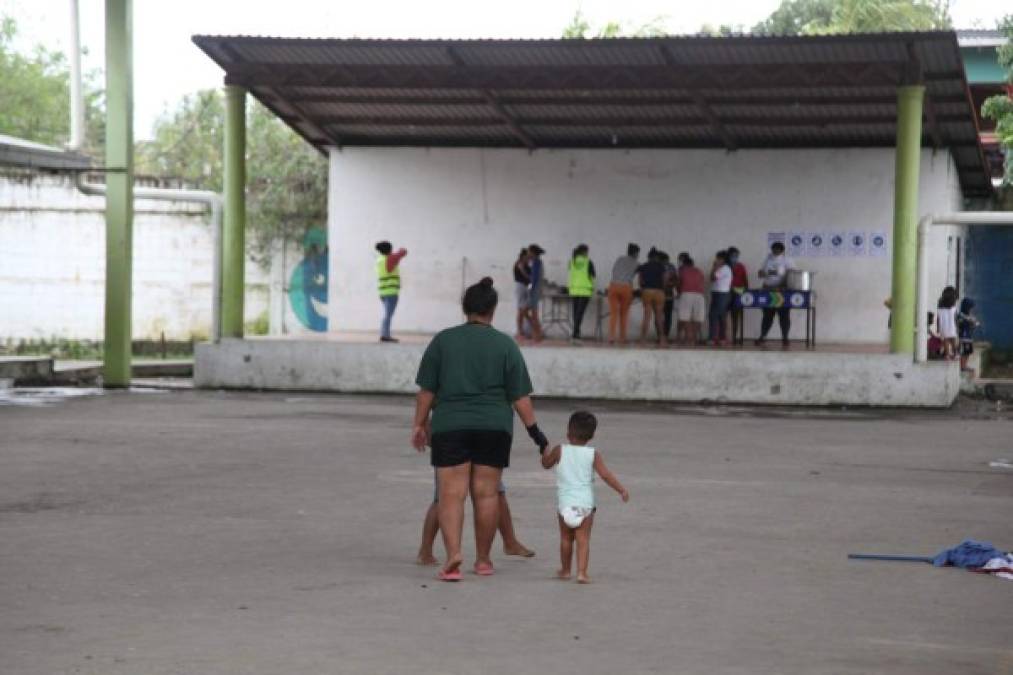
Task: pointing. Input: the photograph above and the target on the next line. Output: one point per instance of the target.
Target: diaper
(573, 516)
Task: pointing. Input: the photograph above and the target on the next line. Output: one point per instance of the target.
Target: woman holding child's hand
(472, 377)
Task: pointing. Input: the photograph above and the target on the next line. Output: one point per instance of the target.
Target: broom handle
(900, 558)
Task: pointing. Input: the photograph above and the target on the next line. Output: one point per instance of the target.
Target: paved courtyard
(209, 533)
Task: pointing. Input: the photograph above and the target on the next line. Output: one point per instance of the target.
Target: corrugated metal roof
(687, 91)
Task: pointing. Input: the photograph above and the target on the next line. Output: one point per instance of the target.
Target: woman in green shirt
(472, 377)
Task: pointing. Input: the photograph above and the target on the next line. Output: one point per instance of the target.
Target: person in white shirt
(774, 273)
(946, 322)
(721, 298)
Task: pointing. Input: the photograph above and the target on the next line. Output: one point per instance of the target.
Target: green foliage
(828, 17)
(1000, 108)
(34, 95)
(724, 30)
(187, 142)
(580, 28)
(797, 17)
(286, 177)
(287, 183)
(259, 326)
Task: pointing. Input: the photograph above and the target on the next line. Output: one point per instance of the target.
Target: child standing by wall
(967, 323)
(576, 463)
(946, 321)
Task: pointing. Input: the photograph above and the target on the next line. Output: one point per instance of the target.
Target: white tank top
(575, 476)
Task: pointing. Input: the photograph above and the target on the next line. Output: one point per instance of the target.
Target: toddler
(576, 463)
(967, 323)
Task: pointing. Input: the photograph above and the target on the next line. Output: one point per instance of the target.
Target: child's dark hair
(948, 298)
(384, 247)
(722, 256)
(632, 250)
(777, 247)
(582, 426)
(480, 299)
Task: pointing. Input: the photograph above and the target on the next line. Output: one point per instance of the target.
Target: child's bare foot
(563, 574)
(583, 578)
(426, 559)
(518, 549)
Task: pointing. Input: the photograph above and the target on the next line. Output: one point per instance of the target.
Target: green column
(120, 191)
(905, 218)
(234, 224)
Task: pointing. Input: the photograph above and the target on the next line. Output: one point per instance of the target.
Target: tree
(34, 91)
(1000, 108)
(828, 17)
(795, 17)
(286, 177)
(580, 28)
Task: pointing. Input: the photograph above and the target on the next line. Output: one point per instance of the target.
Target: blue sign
(775, 299)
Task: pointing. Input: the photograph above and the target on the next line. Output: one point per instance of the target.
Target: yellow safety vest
(581, 284)
(389, 283)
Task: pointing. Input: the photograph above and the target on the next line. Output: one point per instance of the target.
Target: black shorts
(478, 446)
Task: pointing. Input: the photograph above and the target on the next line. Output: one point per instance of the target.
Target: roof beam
(701, 103)
(294, 116)
(583, 78)
(917, 75)
(656, 99)
(715, 123)
(611, 121)
(497, 108)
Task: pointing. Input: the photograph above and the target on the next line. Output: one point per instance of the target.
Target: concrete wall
(464, 213)
(795, 378)
(52, 265)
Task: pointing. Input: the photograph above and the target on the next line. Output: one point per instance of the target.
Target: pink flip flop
(484, 569)
(454, 575)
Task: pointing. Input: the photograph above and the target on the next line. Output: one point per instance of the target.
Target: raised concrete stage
(763, 376)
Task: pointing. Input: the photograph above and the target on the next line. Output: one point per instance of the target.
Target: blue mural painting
(307, 289)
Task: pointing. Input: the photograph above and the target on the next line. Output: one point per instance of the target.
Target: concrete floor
(224, 533)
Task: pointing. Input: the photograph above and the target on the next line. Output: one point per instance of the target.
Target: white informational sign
(856, 243)
(877, 244)
(816, 244)
(796, 244)
(774, 237)
(837, 243)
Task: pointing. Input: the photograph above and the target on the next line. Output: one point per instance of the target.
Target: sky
(167, 65)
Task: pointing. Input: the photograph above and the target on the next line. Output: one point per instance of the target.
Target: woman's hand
(420, 437)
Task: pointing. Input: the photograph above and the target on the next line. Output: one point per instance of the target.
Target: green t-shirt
(476, 373)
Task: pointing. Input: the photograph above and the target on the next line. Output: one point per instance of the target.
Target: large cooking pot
(800, 280)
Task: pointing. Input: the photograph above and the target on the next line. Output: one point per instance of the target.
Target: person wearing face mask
(740, 282)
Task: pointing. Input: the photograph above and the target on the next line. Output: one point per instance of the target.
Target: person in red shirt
(692, 306)
(740, 282)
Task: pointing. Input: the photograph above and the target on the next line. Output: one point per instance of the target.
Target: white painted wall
(52, 265)
(465, 213)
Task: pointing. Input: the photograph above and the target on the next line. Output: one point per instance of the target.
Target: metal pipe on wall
(76, 141)
(212, 199)
(922, 303)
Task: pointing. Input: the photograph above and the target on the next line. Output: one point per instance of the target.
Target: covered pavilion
(905, 91)
(741, 95)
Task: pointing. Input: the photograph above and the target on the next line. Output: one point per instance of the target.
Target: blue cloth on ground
(969, 553)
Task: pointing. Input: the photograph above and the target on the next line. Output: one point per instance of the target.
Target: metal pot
(800, 280)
